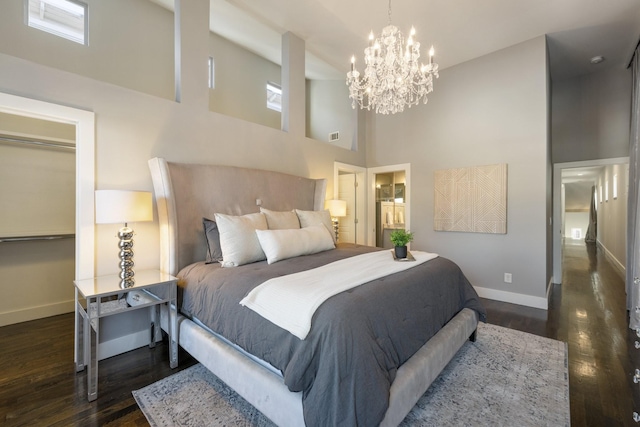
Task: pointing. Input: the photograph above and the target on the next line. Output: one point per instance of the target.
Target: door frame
(558, 205)
(371, 185)
(360, 191)
(84, 122)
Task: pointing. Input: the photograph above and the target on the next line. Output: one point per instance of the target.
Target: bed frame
(185, 193)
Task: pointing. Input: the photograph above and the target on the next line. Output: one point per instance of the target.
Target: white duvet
(290, 301)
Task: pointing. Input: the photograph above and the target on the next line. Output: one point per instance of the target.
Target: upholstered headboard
(185, 193)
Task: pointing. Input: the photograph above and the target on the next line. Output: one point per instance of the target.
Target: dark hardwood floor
(39, 386)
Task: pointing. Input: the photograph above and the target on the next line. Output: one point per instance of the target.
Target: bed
(187, 193)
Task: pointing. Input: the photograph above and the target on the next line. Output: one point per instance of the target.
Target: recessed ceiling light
(597, 59)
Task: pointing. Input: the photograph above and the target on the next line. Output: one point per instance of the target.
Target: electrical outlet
(507, 277)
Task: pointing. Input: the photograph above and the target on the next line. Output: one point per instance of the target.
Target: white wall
(591, 116)
(612, 215)
(574, 220)
(486, 111)
(38, 198)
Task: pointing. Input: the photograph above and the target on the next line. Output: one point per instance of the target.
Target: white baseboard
(620, 268)
(32, 313)
(513, 298)
(549, 288)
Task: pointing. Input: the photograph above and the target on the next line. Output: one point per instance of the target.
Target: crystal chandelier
(393, 77)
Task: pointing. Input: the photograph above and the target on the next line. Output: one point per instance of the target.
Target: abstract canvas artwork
(472, 199)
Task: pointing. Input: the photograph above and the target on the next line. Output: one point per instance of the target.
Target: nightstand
(101, 297)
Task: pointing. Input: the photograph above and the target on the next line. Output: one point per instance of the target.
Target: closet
(37, 217)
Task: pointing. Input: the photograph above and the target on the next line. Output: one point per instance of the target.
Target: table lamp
(122, 206)
(337, 209)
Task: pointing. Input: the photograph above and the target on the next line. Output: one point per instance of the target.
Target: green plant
(400, 237)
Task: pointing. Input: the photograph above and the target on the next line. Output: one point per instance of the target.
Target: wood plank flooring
(39, 386)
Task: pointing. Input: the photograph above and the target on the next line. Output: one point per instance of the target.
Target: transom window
(274, 97)
(212, 73)
(63, 18)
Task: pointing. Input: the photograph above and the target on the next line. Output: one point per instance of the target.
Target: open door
(389, 202)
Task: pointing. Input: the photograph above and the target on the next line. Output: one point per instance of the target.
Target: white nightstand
(103, 297)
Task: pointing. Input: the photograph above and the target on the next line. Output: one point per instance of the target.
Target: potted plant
(400, 237)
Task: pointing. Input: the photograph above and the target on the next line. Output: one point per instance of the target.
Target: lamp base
(126, 257)
(335, 227)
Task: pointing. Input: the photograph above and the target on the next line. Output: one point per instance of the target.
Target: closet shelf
(34, 238)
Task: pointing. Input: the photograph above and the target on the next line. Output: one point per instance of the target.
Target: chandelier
(393, 76)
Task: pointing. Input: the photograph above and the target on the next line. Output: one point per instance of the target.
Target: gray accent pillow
(212, 237)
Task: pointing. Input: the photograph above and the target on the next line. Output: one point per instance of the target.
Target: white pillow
(282, 244)
(308, 218)
(238, 240)
(281, 220)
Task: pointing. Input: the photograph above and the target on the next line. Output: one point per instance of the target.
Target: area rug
(505, 378)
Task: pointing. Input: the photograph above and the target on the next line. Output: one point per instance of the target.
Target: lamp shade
(122, 206)
(337, 208)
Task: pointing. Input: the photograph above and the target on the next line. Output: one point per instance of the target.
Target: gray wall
(241, 79)
(130, 44)
(329, 110)
(132, 126)
(490, 110)
(591, 116)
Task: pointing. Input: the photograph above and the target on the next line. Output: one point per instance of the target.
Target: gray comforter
(358, 338)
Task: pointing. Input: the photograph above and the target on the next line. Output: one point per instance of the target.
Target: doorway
(349, 185)
(568, 217)
(389, 202)
(83, 121)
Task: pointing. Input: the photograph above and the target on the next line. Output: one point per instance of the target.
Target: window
(212, 73)
(63, 18)
(615, 186)
(274, 97)
(606, 190)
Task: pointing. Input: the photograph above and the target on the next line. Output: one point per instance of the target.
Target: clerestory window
(274, 97)
(64, 18)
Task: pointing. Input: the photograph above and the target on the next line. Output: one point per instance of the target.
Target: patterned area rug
(505, 378)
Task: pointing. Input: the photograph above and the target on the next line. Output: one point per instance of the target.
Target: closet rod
(39, 143)
(33, 238)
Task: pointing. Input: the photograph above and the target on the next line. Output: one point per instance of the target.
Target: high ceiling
(460, 30)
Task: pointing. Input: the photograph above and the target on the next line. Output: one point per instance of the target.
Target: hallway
(588, 312)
